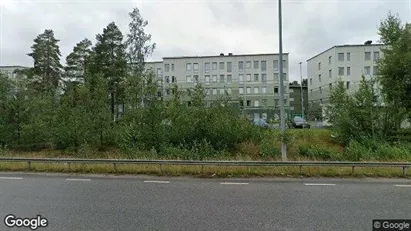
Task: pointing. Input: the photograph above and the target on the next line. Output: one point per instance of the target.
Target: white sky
(199, 27)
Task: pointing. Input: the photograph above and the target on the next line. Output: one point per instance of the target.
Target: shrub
(267, 149)
(314, 151)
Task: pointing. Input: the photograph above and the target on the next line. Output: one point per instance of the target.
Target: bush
(314, 152)
(267, 149)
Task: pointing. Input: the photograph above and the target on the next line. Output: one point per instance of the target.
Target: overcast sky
(200, 27)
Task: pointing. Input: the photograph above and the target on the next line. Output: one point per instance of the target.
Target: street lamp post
(282, 110)
(302, 94)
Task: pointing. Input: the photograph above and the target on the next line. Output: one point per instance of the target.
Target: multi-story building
(343, 62)
(250, 80)
(10, 70)
(298, 94)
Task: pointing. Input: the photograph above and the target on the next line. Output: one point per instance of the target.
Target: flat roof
(13, 66)
(153, 62)
(225, 55)
(347, 45)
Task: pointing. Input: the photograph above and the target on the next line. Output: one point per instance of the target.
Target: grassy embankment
(304, 145)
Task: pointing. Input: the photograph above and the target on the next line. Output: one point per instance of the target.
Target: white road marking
(157, 181)
(10, 178)
(234, 183)
(317, 184)
(403, 185)
(77, 179)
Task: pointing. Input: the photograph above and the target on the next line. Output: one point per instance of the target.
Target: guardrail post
(69, 166)
(404, 171)
(161, 168)
(29, 163)
(202, 170)
(301, 169)
(352, 170)
(115, 167)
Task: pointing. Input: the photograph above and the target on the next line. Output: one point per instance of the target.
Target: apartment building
(251, 80)
(10, 70)
(345, 62)
(298, 92)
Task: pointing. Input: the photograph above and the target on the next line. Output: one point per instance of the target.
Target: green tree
(46, 55)
(395, 66)
(77, 61)
(110, 61)
(139, 47)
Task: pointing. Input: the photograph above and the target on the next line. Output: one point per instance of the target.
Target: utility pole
(282, 110)
(302, 94)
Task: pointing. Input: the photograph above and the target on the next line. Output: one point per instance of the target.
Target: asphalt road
(151, 203)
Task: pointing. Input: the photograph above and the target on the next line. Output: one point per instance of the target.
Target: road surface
(91, 202)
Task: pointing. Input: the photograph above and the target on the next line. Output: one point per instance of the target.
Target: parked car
(261, 123)
(298, 122)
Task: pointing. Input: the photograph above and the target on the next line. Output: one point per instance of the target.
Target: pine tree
(77, 61)
(46, 55)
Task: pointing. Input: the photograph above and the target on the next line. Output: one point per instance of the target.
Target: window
(375, 70)
(248, 65)
(167, 91)
(222, 91)
(159, 71)
(248, 103)
(340, 56)
(348, 71)
(207, 91)
(229, 78)
(256, 103)
(196, 79)
(321, 90)
(195, 67)
(166, 67)
(221, 78)
(275, 89)
(207, 79)
(188, 66)
(284, 63)
(319, 66)
(167, 79)
(330, 73)
(348, 56)
(264, 90)
(329, 60)
(214, 91)
(263, 65)
(275, 64)
(255, 77)
(256, 64)
(248, 90)
(173, 79)
(264, 103)
(241, 78)
(158, 82)
(214, 65)
(188, 79)
(207, 67)
(229, 66)
(240, 65)
(214, 78)
(159, 94)
(367, 70)
(241, 90)
(311, 81)
(221, 66)
(248, 77)
(348, 84)
(330, 86)
(376, 55)
(255, 90)
(319, 78)
(367, 55)
(285, 76)
(276, 77)
(241, 103)
(229, 91)
(172, 67)
(340, 71)
(264, 78)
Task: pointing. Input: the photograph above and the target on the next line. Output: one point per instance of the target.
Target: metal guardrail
(300, 164)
